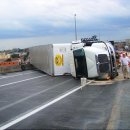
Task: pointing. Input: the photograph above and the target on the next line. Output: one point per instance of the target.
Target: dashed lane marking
(22, 81)
(11, 76)
(115, 112)
(33, 95)
(13, 122)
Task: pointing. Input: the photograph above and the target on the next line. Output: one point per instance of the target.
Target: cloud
(60, 9)
(26, 18)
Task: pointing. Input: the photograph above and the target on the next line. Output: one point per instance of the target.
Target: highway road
(34, 100)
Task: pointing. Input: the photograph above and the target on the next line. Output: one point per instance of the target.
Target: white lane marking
(33, 95)
(22, 81)
(11, 76)
(11, 123)
(16, 74)
(116, 109)
(14, 86)
(3, 101)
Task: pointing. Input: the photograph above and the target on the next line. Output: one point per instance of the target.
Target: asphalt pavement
(35, 100)
(121, 108)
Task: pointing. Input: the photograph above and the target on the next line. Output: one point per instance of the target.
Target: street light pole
(99, 36)
(75, 27)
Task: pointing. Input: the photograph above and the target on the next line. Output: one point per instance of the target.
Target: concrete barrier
(83, 81)
(12, 66)
(7, 69)
(12, 63)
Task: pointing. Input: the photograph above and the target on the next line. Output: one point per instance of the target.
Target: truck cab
(112, 56)
(89, 62)
(93, 59)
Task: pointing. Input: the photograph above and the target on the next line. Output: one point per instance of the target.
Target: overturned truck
(80, 59)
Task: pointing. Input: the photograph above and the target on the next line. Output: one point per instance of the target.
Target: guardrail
(12, 63)
(12, 66)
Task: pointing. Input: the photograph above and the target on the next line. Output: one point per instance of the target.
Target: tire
(22, 67)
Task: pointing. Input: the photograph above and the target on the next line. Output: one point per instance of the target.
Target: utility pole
(75, 27)
(99, 36)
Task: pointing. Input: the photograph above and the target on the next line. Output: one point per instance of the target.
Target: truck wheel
(117, 73)
(112, 76)
(22, 67)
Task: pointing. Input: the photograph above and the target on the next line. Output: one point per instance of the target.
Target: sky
(25, 23)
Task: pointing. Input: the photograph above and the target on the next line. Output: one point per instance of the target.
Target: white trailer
(53, 59)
